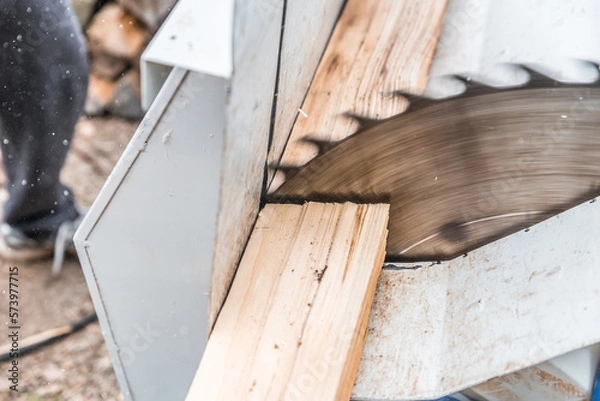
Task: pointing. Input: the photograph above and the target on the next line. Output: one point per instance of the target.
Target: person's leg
(43, 83)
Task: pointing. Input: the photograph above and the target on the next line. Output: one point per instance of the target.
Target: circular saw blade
(462, 172)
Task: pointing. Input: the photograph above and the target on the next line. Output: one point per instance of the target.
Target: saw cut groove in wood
(295, 320)
(377, 48)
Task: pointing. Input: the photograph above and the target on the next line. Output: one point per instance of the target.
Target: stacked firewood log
(117, 32)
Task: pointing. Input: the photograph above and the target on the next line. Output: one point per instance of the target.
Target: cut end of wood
(100, 92)
(127, 41)
(294, 323)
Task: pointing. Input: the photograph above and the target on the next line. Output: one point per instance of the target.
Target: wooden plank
(294, 322)
(257, 36)
(308, 26)
(378, 47)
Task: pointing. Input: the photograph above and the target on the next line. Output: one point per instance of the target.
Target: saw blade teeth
(322, 144)
(537, 79)
(597, 67)
(364, 122)
(411, 97)
(473, 85)
(415, 102)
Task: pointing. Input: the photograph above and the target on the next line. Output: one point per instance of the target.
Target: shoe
(16, 246)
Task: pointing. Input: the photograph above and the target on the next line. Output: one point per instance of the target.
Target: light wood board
(272, 67)
(294, 322)
(307, 29)
(247, 121)
(377, 47)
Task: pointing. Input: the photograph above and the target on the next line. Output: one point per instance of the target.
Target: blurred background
(117, 33)
(78, 367)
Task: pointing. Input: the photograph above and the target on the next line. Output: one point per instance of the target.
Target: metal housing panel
(439, 328)
(485, 40)
(147, 260)
(182, 42)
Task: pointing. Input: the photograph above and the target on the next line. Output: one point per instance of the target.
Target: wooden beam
(306, 22)
(246, 136)
(295, 320)
(377, 48)
(257, 36)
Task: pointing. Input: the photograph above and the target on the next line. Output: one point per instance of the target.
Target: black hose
(47, 337)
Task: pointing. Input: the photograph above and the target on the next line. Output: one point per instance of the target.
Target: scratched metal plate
(438, 328)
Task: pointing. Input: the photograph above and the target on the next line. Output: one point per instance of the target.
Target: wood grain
(377, 47)
(248, 117)
(258, 36)
(295, 319)
(307, 29)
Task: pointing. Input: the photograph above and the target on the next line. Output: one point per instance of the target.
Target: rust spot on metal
(510, 387)
(558, 385)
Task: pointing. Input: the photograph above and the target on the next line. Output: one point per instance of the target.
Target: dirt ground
(76, 367)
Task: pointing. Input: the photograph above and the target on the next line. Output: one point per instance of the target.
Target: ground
(76, 367)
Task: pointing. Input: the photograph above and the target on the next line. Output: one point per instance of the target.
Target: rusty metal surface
(438, 328)
(569, 377)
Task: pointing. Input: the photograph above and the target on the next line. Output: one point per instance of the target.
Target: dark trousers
(43, 83)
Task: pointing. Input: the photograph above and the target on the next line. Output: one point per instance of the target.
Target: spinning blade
(462, 172)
